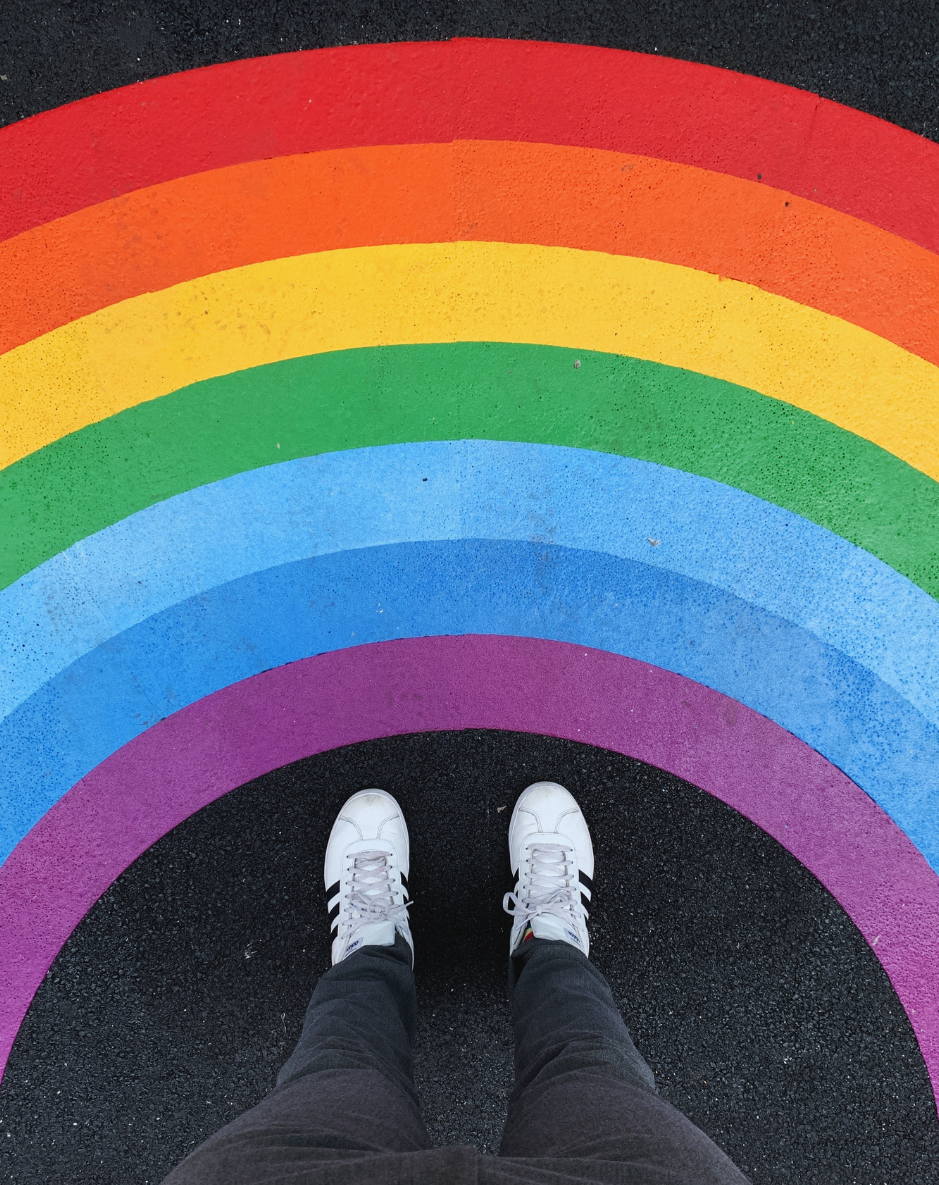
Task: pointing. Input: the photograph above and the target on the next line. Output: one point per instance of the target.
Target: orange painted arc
(470, 190)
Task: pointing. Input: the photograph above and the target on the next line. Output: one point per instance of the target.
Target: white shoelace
(552, 887)
(371, 896)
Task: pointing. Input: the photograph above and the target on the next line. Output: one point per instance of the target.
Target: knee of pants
(595, 1115)
(344, 1053)
(351, 1110)
(360, 1106)
(621, 1060)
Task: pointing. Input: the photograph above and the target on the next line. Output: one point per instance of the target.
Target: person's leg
(348, 1088)
(582, 1090)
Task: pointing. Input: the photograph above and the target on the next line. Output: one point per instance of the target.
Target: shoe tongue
(370, 845)
(373, 934)
(548, 925)
(543, 839)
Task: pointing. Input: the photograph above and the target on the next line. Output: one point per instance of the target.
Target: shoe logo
(572, 936)
(352, 945)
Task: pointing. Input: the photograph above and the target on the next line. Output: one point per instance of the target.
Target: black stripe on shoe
(585, 881)
(332, 891)
(333, 914)
(404, 882)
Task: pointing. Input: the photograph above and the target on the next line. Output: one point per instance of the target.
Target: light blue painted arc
(710, 532)
(540, 590)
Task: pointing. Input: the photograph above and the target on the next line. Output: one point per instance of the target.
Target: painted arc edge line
(507, 191)
(214, 430)
(468, 291)
(472, 586)
(582, 499)
(131, 137)
(510, 683)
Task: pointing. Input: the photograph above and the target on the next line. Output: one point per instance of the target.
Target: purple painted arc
(427, 684)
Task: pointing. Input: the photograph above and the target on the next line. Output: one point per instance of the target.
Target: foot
(551, 857)
(366, 874)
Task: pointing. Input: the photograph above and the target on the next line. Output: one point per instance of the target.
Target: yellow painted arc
(145, 347)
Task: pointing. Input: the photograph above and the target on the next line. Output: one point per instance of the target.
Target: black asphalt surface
(764, 1013)
(879, 57)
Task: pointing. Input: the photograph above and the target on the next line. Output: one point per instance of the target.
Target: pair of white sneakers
(368, 862)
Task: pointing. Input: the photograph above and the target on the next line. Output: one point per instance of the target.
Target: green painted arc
(497, 391)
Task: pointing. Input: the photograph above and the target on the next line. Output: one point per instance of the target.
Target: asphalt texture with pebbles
(762, 1010)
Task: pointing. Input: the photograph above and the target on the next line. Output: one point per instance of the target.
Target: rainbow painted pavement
(347, 393)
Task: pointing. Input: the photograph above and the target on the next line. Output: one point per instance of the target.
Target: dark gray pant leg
(362, 1016)
(347, 1089)
(582, 1089)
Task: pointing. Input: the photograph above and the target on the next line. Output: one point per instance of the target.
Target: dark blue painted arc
(464, 586)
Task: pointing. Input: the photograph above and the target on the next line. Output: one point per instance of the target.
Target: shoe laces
(551, 886)
(371, 892)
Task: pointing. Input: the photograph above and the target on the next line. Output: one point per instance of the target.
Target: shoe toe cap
(368, 815)
(544, 806)
(373, 814)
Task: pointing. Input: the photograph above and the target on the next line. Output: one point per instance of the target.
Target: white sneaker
(366, 874)
(552, 864)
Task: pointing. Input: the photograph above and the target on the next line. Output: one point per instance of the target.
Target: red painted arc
(425, 92)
